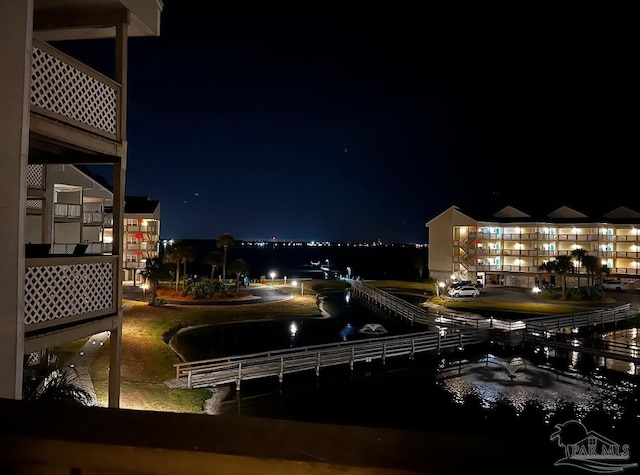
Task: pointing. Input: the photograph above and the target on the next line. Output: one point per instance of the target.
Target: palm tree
(151, 273)
(224, 241)
(214, 258)
(60, 386)
(187, 256)
(561, 265)
(579, 255)
(238, 266)
(594, 268)
(178, 254)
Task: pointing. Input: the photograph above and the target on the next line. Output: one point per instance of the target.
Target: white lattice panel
(35, 177)
(35, 204)
(59, 87)
(59, 291)
(33, 359)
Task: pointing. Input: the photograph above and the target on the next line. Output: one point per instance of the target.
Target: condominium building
(141, 235)
(82, 218)
(502, 244)
(60, 282)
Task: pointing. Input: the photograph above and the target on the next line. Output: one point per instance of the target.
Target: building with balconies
(501, 244)
(59, 113)
(141, 235)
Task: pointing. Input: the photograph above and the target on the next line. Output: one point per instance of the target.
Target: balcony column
(115, 360)
(16, 32)
(119, 172)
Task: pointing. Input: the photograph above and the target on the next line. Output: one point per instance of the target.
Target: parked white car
(464, 291)
(618, 285)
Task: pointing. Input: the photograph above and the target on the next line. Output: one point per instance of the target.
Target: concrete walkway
(131, 296)
(80, 363)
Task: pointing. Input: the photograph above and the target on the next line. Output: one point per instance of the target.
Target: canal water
(427, 393)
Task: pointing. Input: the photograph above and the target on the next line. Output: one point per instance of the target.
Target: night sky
(361, 121)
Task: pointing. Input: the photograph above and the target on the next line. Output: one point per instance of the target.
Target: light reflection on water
(627, 336)
(490, 382)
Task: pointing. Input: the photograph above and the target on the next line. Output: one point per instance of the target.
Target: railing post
(239, 376)
(353, 355)
(318, 366)
(189, 380)
(281, 375)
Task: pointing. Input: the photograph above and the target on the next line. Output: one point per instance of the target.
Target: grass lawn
(147, 360)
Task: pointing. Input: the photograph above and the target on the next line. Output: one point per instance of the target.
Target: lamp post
(294, 283)
(536, 290)
(273, 276)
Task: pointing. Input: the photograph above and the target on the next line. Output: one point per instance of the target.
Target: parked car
(617, 285)
(461, 283)
(464, 291)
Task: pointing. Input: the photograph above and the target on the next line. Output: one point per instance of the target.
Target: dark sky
(359, 121)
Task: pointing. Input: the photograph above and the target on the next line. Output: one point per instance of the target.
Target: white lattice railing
(66, 89)
(61, 288)
(35, 177)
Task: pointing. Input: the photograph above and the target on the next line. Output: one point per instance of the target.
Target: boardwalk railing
(454, 329)
(234, 369)
(396, 306)
(576, 320)
(608, 349)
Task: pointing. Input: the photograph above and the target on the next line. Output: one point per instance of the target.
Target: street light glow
(536, 290)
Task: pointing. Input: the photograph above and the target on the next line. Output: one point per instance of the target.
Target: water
(254, 337)
(401, 262)
(426, 393)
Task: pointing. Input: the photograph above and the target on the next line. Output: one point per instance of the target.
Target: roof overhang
(59, 20)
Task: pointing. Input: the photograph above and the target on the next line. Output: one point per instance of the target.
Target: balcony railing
(134, 265)
(93, 217)
(67, 90)
(626, 238)
(64, 210)
(65, 289)
(96, 248)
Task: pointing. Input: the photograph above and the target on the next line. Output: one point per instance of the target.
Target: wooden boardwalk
(452, 330)
(234, 369)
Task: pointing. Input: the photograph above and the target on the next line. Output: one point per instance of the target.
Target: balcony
(61, 290)
(93, 217)
(625, 238)
(71, 211)
(134, 265)
(66, 91)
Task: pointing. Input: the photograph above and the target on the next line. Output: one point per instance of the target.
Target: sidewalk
(80, 363)
(130, 296)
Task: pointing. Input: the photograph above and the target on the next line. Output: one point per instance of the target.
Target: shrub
(204, 288)
(157, 302)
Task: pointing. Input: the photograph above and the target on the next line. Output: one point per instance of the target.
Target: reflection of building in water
(627, 336)
(490, 380)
